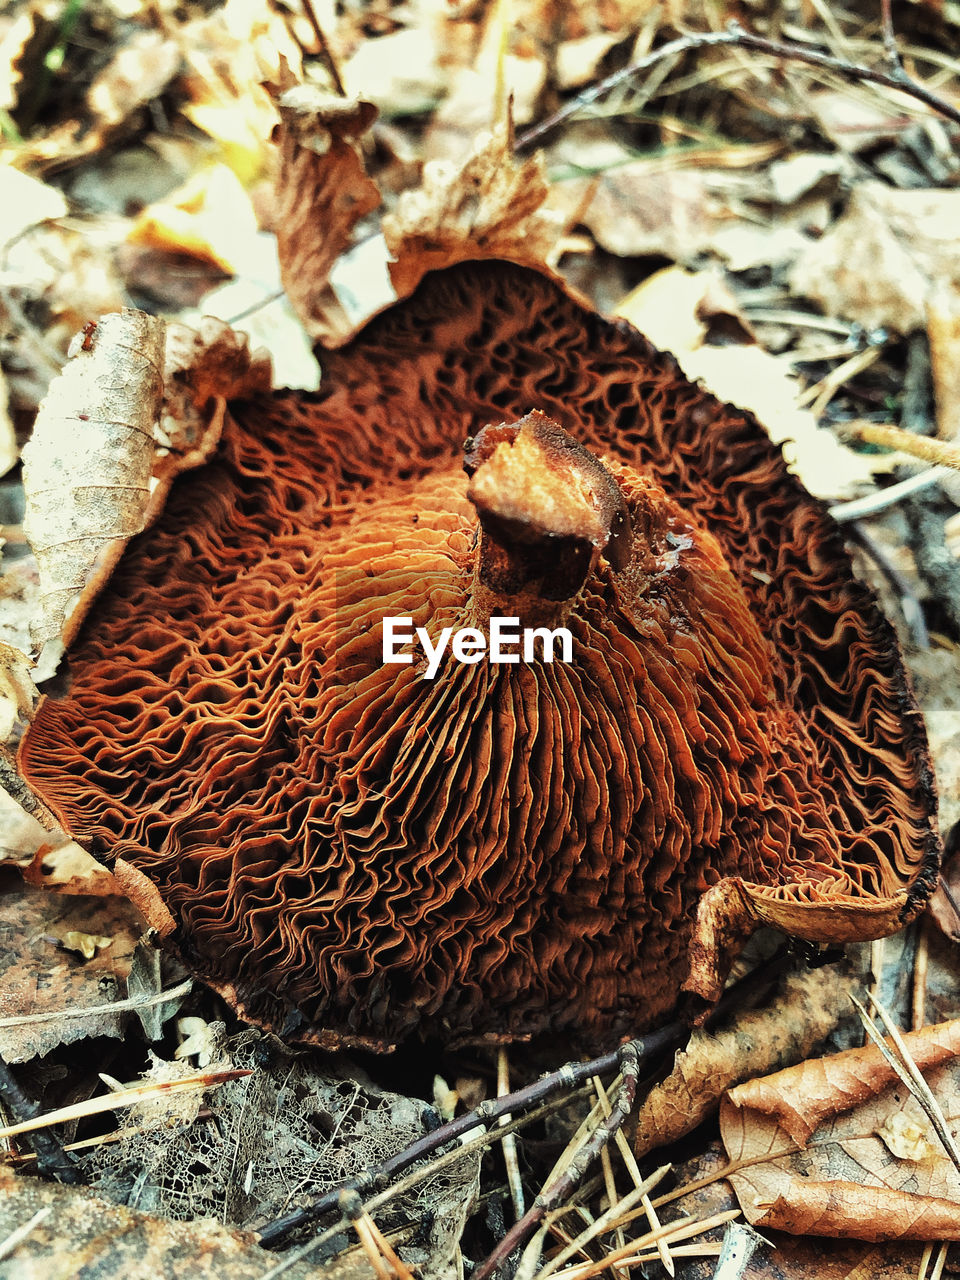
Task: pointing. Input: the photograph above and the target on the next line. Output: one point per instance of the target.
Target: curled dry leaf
(758, 1041)
(488, 207)
(130, 410)
(322, 194)
(839, 1146)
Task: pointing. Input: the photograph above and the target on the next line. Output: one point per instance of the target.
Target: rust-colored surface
(355, 853)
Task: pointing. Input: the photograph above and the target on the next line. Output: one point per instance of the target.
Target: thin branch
(326, 55)
(557, 1192)
(568, 1077)
(737, 37)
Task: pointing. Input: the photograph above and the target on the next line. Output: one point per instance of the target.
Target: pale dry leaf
(322, 193)
(87, 469)
(18, 693)
(25, 201)
(758, 1041)
(665, 308)
(210, 218)
(809, 1156)
(644, 207)
(880, 262)
(488, 207)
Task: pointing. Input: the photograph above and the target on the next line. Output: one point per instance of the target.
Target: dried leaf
(879, 263)
(812, 1153)
(322, 194)
(38, 976)
(665, 308)
(87, 468)
(129, 412)
(759, 1041)
(490, 207)
(18, 694)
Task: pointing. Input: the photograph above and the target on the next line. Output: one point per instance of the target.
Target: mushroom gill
(352, 852)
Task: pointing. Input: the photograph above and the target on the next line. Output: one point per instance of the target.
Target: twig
(629, 1058)
(326, 57)
(941, 453)
(558, 1082)
(51, 1157)
(737, 37)
(910, 605)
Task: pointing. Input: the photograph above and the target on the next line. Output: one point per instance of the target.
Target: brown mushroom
(352, 852)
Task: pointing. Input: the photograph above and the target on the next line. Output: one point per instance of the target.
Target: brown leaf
(813, 1146)
(758, 1041)
(785, 1257)
(38, 976)
(490, 207)
(322, 194)
(943, 330)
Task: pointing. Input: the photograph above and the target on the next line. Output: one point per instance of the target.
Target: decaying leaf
(87, 468)
(839, 1147)
(322, 194)
(759, 1041)
(86, 1236)
(489, 207)
(38, 975)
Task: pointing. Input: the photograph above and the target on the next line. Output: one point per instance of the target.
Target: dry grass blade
(94, 1010)
(633, 1169)
(902, 1062)
(822, 392)
(17, 1237)
(128, 1098)
(509, 1142)
(874, 503)
(682, 1229)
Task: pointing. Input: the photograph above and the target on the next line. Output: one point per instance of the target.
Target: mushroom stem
(548, 510)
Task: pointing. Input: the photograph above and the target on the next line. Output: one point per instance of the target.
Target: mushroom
(351, 852)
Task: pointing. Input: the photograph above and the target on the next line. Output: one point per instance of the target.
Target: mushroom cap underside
(354, 853)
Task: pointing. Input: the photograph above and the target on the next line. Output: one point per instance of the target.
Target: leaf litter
(800, 234)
